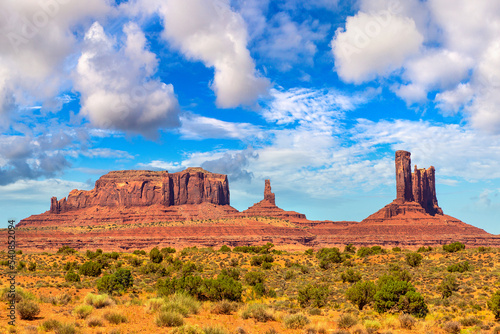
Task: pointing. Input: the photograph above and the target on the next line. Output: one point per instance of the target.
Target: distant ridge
(144, 209)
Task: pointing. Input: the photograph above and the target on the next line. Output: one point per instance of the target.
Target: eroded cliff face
(132, 188)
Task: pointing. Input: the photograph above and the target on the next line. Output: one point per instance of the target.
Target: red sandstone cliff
(131, 188)
(130, 209)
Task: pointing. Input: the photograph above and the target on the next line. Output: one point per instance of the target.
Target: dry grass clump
(115, 317)
(95, 322)
(83, 311)
(50, 325)
(407, 321)
(259, 312)
(452, 327)
(99, 301)
(169, 319)
(66, 329)
(187, 329)
(181, 303)
(224, 307)
(296, 321)
(154, 304)
(346, 321)
(28, 309)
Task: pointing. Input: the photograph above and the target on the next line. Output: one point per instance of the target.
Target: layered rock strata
(131, 188)
(144, 209)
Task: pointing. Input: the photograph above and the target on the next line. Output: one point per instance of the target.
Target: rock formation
(131, 188)
(415, 192)
(144, 209)
(267, 208)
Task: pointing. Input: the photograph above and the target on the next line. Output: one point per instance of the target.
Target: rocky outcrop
(267, 208)
(415, 192)
(136, 188)
(268, 195)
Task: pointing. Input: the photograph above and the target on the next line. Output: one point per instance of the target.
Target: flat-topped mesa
(268, 195)
(131, 188)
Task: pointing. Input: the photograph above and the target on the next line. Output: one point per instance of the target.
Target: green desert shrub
(494, 304)
(459, 267)
(167, 250)
(350, 276)
(396, 249)
(119, 281)
(350, 249)
(259, 312)
(70, 266)
(139, 252)
(413, 259)
(447, 286)
(224, 248)
(366, 251)
(98, 301)
(83, 311)
(361, 293)
(155, 255)
(296, 321)
(90, 268)
(328, 256)
(27, 309)
(169, 319)
(66, 250)
(32, 266)
(313, 295)
(223, 287)
(71, 276)
(394, 295)
(254, 277)
(453, 247)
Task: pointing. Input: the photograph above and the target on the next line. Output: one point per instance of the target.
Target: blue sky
(316, 95)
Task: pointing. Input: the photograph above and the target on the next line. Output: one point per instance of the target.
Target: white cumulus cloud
(211, 32)
(117, 91)
(374, 43)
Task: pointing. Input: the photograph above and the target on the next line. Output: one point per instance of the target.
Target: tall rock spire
(403, 177)
(268, 195)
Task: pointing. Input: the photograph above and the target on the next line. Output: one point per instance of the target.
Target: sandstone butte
(143, 209)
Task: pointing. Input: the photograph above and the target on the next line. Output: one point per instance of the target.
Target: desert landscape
(154, 252)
